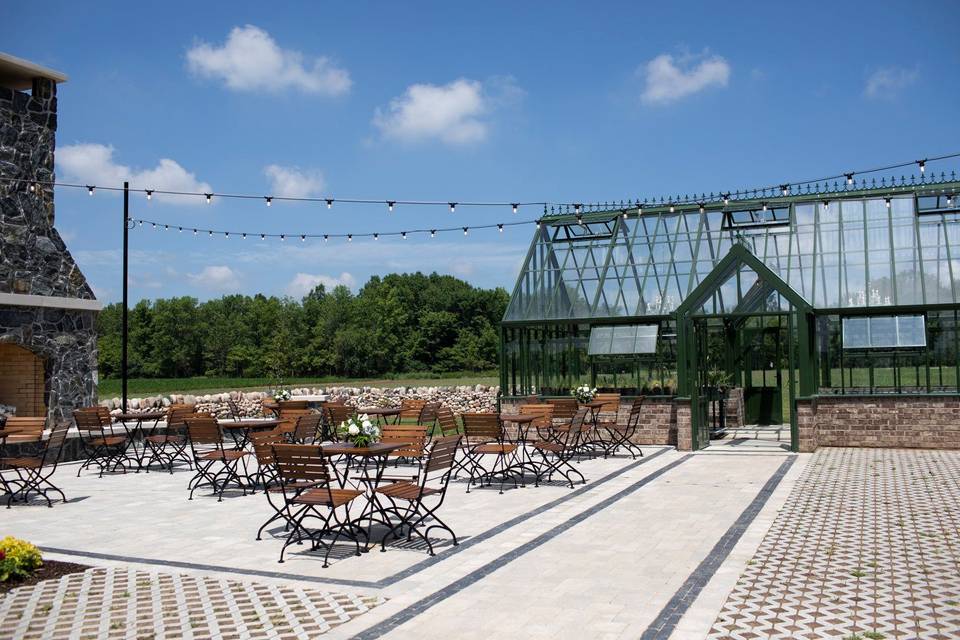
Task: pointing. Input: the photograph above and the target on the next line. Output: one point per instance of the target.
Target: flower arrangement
(282, 394)
(583, 393)
(361, 431)
(18, 559)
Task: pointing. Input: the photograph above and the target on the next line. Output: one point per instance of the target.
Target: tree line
(395, 324)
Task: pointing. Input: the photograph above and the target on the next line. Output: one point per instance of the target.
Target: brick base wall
(22, 380)
(918, 422)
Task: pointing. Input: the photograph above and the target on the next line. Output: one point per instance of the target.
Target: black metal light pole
(123, 333)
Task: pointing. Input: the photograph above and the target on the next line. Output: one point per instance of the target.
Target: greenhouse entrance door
(744, 330)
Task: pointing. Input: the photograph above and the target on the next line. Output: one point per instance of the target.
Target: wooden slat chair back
(235, 411)
(611, 402)
(481, 427)
(414, 436)
(428, 415)
(442, 455)
(301, 464)
(410, 408)
(203, 430)
(263, 442)
(544, 413)
(293, 404)
(24, 429)
(176, 414)
(291, 416)
(447, 422)
(563, 408)
(308, 428)
(337, 413)
(100, 445)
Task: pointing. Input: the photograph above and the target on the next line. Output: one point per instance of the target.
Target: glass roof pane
(848, 253)
(623, 339)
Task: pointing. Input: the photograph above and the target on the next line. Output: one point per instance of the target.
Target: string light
(849, 178)
(887, 200)
(90, 189)
(784, 189)
(149, 194)
(32, 188)
(303, 238)
(329, 203)
(403, 234)
(702, 208)
(283, 238)
(390, 204)
(179, 229)
(209, 197)
(243, 237)
(515, 206)
(433, 233)
(671, 207)
(210, 233)
(726, 199)
(350, 238)
(326, 237)
(639, 209)
(376, 236)
(453, 207)
(263, 236)
(465, 231)
(764, 206)
(923, 166)
(194, 232)
(268, 199)
(624, 214)
(499, 228)
(576, 209)
(226, 234)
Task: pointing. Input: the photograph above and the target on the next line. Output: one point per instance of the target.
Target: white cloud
(668, 79)
(250, 60)
(91, 163)
(216, 278)
(452, 113)
(294, 182)
(304, 283)
(887, 82)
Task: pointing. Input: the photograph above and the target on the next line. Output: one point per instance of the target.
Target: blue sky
(501, 101)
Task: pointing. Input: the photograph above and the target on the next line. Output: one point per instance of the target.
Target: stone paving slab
(866, 547)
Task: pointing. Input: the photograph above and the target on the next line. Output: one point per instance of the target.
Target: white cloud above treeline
(304, 283)
(219, 278)
(456, 113)
(94, 164)
(668, 78)
(251, 60)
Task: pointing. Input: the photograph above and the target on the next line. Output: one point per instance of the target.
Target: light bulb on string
(702, 209)
(226, 234)
(166, 227)
(329, 203)
(283, 238)
(90, 189)
(465, 229)
(887, 200)
(376, 236)
(209, 233)
(923, 166)
(433, 233)
(453, 207)
(209, 197)
(263, 236)
(726, 199)
(515, 207)
(194, 232)
(764, 206)
(243, 236)
(303, 238)
(149, 194)
(500, 228)
(32, 188)
(390, 204)
(784, 189)
(325, 237)
(403, 234)
(349, 237)
(849, 178)
(179, 229)
(269, 200)
(140, 223)
(624, 214)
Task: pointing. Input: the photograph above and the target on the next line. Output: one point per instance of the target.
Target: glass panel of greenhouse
(877, 266)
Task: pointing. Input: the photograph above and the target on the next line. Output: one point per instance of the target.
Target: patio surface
(665, 546)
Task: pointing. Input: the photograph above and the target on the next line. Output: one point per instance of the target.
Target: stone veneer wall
(33, 257)
(915, 422)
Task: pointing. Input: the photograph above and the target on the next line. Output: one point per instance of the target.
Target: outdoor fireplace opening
(22, 382)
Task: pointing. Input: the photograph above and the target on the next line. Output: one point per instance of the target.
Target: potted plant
(670, 386)
(359, 430)
(655, 387)
(583, 393)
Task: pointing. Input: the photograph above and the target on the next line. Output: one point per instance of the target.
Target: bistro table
(139, 455)
(377, 452)
(382, 413)
(523, 457)
(240, 430)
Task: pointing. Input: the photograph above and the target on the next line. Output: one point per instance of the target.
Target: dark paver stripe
(389, 580)
(391, 623)
(666, 621)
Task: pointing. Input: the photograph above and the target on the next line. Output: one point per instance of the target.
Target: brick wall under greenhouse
(914, 422)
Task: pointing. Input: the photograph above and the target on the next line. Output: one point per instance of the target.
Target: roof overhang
(17, 73)
(49, 302)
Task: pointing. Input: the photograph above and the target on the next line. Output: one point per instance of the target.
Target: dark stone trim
(415, 609)
(370, 584)
(666, 621)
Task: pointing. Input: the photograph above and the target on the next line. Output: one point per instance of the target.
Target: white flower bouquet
(282, 394)
(583, 393)
(360, 430)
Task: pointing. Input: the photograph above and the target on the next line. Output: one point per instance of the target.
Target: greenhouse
(781, 296)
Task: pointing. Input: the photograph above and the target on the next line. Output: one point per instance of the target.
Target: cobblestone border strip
(389, 580)
(415, 609)
(666, 621)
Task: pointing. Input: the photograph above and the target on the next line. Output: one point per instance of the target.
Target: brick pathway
(866, 547)
(127, 603)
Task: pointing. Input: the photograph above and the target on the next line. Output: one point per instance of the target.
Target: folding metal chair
(33, 473)
(621, 435)
(415, 493)
(558, 453)
(484, 436)
(101, 446)
(206, 443)
(171, 445)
